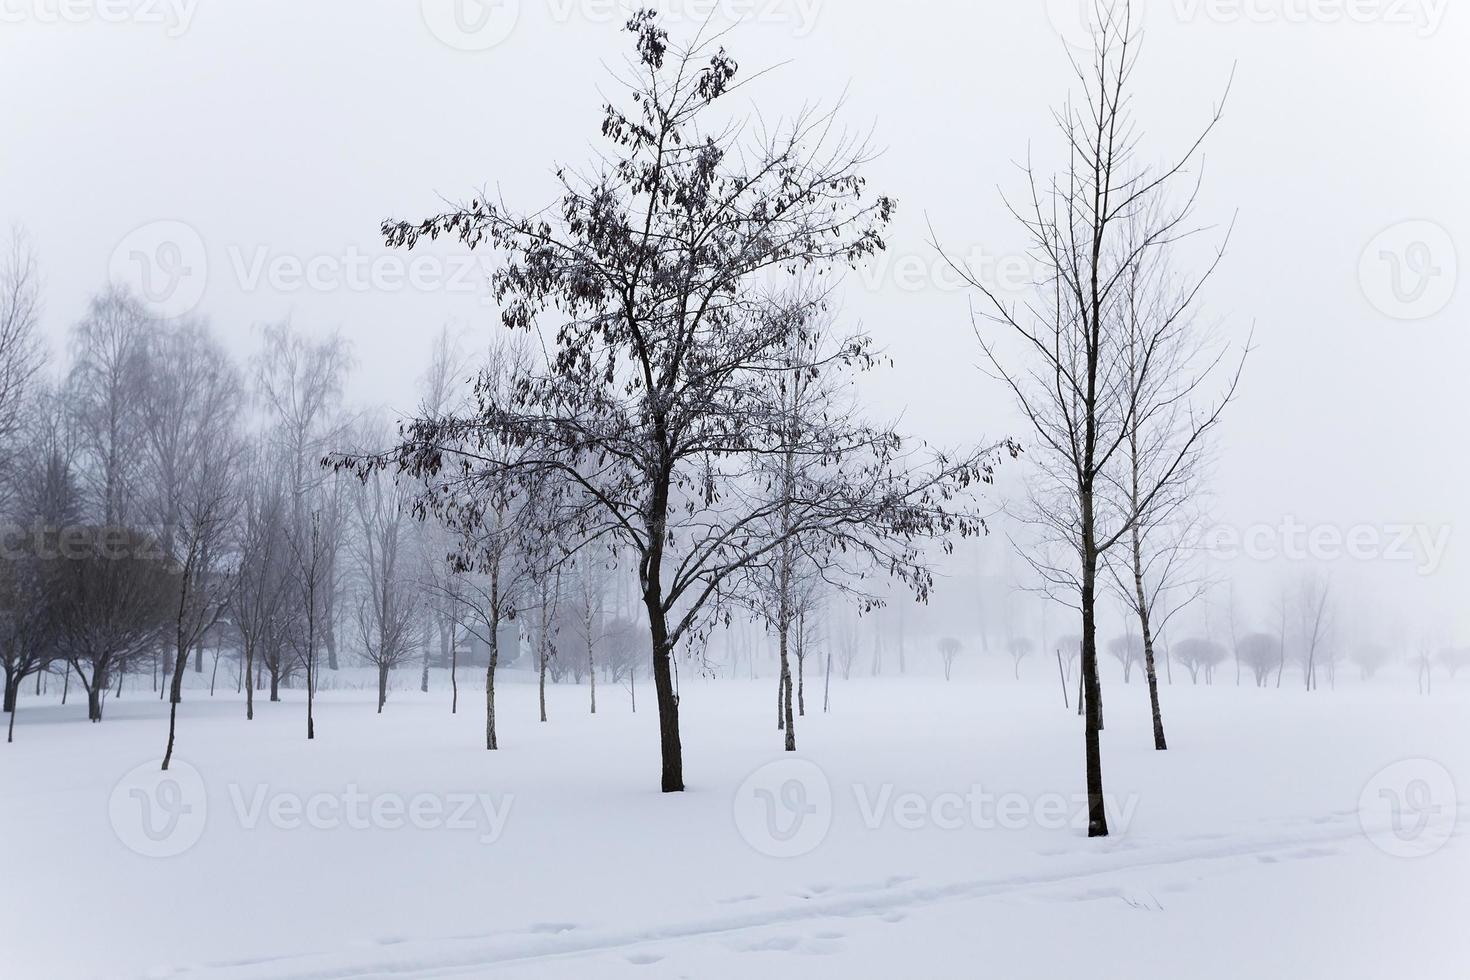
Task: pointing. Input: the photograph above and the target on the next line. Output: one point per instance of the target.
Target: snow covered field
(924, 829)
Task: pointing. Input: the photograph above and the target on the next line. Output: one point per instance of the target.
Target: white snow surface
(1282, 835)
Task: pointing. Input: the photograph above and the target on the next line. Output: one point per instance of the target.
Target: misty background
(238, 146)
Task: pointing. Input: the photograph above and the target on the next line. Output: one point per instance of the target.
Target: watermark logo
(1409, 809)
(1424, 546)
(174, 16)
(784, 808)
(479, 25)
(471, 25)
(1410, 271)
(352, 809)
(159, 814)
(165, 264)
(1423, 17)
(940, 273)
(1079, 22)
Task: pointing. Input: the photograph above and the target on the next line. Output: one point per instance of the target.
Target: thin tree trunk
(592, 675)
(248, 679)
(1141, 599)
(491, 742)
(827, 688)
(1062, 673)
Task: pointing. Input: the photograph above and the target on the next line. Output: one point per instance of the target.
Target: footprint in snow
(553, 928)
(775, 944)
(643, 959)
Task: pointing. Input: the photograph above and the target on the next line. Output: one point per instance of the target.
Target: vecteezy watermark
(164, 263)
(785, 809)
(1409, 809)
(355, 271)
(163, 814)
(479, 25)
(934, 272)
(1423, 545)
(159, 814)
(174, 16)
(1410, 271)
(1079, 22)
(167, 265)
(471, 25)
(80, 542)
(353, 809)
(1424, 17)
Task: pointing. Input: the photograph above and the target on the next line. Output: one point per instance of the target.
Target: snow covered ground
(925, 829)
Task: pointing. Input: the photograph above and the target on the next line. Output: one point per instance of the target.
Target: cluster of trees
(161, 501)
(672, 406)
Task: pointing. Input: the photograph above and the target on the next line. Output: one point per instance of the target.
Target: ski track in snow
(888, 900)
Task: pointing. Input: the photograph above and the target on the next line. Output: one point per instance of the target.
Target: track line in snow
(427, 959)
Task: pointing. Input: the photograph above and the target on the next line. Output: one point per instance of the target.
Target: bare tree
(259, 603)
(311, 552)
(1199, 655)
(848, 639)
(299, 382)
(387, 605)
(590, 611)
(1080, 391)
(21, 352)
(1019, 647)
(109, 375)
(949, 650)
(1314, 604)
(1127, 650)
(203, 586)
(482, 487)
(1261, 655)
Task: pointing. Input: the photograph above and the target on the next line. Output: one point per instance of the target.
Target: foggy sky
(279, 132)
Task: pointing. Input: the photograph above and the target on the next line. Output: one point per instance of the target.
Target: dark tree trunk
(788, 717)
(175, 695)
(12, 688)
(248, 679)
(1097, 818)
(382, 686)
(671, 752)
(780, 702)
